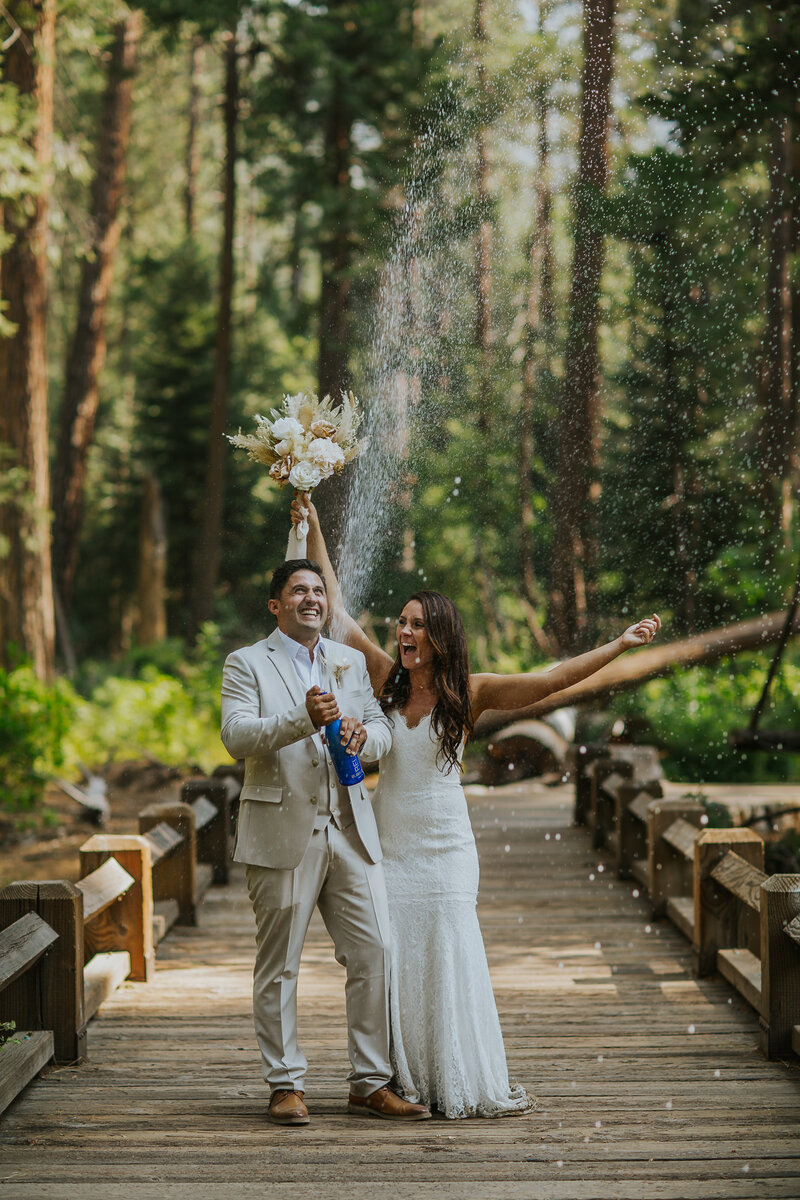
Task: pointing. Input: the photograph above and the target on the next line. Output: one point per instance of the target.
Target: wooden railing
(65, 947)
(709, 882)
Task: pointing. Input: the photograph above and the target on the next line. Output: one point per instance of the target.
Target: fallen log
(651, 662)
(524, 748)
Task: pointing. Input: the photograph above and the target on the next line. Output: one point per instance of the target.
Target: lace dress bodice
(447, 1046)
(423, 821)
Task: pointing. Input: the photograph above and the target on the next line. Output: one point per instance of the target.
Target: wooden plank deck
(650, 1083)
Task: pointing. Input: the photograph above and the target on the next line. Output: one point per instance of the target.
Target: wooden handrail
(792, 929)
(682, 837)
(741, 879)
(710, 882)
(22, 945)
(103, 888)
(64, 947)
(164, 840)
(204, 812)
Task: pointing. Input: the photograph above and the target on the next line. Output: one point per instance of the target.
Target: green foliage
(34, 720)
(155, 715)
(19, 172)
(7, 1031)
(691, 714)
(161, 702)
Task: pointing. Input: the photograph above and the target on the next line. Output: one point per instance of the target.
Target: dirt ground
(51, 850)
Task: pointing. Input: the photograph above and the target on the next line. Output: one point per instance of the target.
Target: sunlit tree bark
(27, 620)
(538, 342)
(87, 350)
(483, 236)
(207, 564)
(778, 435)
(578, 420)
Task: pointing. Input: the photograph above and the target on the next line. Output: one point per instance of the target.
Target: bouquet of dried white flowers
(305, 441)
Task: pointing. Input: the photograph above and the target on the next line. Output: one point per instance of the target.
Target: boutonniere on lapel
(336, 667)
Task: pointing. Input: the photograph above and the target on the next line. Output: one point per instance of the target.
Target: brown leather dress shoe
(287, 1108)
(388, 1105)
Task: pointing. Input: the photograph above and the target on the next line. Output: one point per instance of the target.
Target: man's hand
(353, 734)
(322, 707)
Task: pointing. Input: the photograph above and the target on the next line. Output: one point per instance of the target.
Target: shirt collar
(298, 650)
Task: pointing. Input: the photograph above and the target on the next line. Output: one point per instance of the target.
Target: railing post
(780, 964)
(631, 832)
(602, 806)
(175, 877)
(50, 996)
(129, 924)
(579, 758)
(719, 922)
(213, 840)
(669, 874)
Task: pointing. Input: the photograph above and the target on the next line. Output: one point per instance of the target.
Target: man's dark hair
(286, 570)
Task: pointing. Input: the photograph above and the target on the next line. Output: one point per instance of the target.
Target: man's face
(302, 607)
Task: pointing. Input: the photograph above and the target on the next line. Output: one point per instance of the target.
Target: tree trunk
(27, 620)
(207, 561)
(88, 349)
(577, 423)
(192, 150)
(538, 342)
(483, 236)
(334, 304)
(778, 433)
(335, 254)
(681, 425)
(151, 623)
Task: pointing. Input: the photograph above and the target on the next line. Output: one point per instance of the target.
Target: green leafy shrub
(692, 712)
(34, 719)
(156, 715)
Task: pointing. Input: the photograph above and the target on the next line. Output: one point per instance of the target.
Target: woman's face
(412, 637)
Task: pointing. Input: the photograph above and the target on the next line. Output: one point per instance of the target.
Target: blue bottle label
(347, 766)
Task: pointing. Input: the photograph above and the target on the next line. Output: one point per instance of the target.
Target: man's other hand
(353, 734)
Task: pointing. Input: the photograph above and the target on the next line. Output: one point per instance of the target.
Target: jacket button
(313, 799)
(315, 762)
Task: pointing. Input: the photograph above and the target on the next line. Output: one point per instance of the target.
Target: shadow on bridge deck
(650, 1083)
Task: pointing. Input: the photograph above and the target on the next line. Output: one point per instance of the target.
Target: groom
(309, 842)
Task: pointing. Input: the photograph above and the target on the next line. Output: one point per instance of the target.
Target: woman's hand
(302, 507)
(640, 634)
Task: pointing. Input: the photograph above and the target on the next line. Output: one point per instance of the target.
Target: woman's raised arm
(518, 691)
(344, 628)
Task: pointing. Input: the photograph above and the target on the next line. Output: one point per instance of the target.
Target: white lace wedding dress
(447, 1047)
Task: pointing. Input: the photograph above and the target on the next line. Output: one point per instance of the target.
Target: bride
(447, 1046)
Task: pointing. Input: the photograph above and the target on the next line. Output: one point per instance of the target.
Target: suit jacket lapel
(284, 666)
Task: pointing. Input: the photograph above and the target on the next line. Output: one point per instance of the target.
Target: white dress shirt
(309, 672)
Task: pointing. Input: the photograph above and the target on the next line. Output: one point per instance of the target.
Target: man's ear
(274, 606)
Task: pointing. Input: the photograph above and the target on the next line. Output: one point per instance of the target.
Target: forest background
(586, 217)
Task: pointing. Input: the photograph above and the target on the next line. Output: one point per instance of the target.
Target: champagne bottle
(347, 766)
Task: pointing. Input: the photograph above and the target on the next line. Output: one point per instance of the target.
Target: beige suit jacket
(265, 722)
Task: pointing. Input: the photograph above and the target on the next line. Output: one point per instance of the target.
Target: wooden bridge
(651, 1083)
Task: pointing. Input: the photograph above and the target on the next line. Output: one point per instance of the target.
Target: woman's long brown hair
(452, 717)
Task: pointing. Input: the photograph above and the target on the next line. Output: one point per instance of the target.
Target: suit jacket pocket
(262, 793)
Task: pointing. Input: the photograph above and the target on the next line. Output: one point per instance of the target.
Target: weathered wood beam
(633, 669)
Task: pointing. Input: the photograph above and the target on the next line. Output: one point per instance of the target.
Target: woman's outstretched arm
(344, 628)
(518, 691)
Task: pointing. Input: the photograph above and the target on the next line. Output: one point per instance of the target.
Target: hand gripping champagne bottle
(347, 766)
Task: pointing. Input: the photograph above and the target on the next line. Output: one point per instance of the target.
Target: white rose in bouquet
(325, 454)
(286, 429)
(304, 476)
